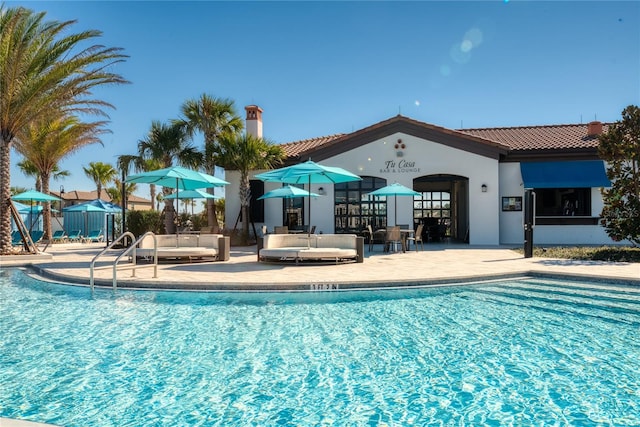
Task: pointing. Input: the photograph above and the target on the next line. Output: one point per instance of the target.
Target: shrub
(139, 222)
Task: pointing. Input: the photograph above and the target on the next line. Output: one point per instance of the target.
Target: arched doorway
(443, 206)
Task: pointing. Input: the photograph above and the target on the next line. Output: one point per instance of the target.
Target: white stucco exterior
(468, 166)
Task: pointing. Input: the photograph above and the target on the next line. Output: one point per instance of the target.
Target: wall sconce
(484, 188)
(321, 191)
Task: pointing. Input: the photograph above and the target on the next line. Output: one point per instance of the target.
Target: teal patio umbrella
(307, 173)
(179, 178)
(192, 194)
(34, 196)
(395, 190)
(287, 192)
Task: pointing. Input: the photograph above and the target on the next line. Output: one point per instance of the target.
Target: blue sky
(319, 68)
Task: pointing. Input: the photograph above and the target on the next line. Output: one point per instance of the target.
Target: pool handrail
(127, 251)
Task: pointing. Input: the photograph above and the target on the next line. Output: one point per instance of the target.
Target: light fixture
(484, 188)
(321, 191)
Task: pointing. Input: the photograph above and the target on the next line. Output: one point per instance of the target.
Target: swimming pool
(526, 352)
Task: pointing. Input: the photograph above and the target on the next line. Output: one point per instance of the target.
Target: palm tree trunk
(212, 218)
(169, 215)
(5, 196)
(152, 194)
(245, 200)
(46, 210)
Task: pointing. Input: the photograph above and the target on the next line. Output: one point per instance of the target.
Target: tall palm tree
(47, 142)
(101, 174)
(43, 67)
(212, 117)
(245, 153)
(115, 192)
(166, 144)
(29, 169)
(126, 162)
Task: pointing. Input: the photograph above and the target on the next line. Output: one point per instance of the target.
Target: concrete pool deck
(437, 264)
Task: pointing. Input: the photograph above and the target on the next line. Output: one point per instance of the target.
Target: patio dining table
(405, 233)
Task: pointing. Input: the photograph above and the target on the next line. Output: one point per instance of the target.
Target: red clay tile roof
(85, 196)
(549, 137)
(296, 148)
(537, 138)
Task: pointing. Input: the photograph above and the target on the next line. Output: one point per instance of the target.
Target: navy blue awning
(573, 174)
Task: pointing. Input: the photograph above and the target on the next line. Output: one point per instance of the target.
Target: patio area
(443, 263)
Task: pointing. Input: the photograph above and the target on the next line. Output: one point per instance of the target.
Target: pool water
(525, 352)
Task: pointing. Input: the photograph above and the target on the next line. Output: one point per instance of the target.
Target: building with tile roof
(471, 182)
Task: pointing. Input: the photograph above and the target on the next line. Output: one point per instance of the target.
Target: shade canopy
(395, 189)
(177, 177)
(97, 205)
(35, 196)
(569, 174)
(192, 194)
(25, 209)
(309, 173)
(287, 192)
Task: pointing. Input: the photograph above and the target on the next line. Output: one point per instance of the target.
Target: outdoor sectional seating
(186, 246)
(316, 247)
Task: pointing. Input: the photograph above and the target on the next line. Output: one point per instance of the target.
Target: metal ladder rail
(133, 266)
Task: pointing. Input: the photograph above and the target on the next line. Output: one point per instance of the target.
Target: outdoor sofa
(186, 246)
(316, 247)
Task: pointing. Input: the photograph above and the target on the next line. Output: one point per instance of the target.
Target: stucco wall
(379, 158)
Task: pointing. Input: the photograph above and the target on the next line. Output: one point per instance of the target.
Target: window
(293, 211)
(564, 206)
(563, 202)
(355, 208)
(433, 208)
(256, 206)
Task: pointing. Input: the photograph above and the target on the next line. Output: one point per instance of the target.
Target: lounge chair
(59, 236)
(93, 236)
(16, 238)
(36, 235)
(75, 236)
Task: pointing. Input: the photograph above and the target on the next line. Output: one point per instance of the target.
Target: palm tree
(128, 161)
(167, 144)
(101, 174)
(47, 142)
(115, 192)
(213, 117)
(245, 153)
(29, 169)
(43, 68)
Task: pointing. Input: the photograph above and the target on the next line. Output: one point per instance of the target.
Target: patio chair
(417, 237)
(75, 236)
(393, 237)
(374, 237)
(93, 236)
(59, 236)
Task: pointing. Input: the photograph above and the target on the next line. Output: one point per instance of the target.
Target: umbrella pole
(309, 214)
(175, 215)
(395, 208)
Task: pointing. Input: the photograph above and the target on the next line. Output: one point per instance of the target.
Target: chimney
(594, 128)
(254, 120)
